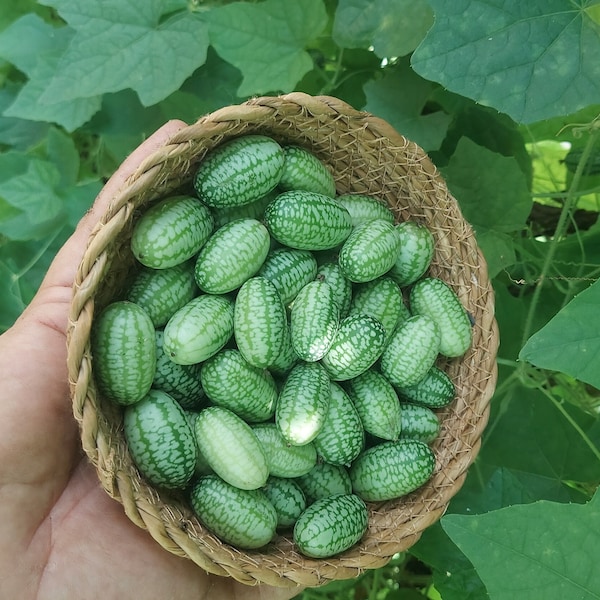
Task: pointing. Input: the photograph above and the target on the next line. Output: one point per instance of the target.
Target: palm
(61, 536)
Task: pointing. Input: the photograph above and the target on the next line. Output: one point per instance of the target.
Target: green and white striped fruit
(419, 423)
(377, 404)
(283, 458)
(416, 251)
(303, 402)
(435, 298)
(325, 480)
(182, 382)
(260, 323)
(307, 221)
(253, 210)
(124, 351)
(381, 299)
(370, 251)
(435, 390)
(289, 269)
(232, 382)
(233, 254)
(171, 231)
(240, 171)
(331, 525)
(288, 499)
(231, 448)
(314, 320)
(365, 208)
(342, 436)
(331, 273)
(199, 329)
(302, 170)
(162, 292)
(412, 351)
(244, 518)
(391, 469)
(358, 343)
(160, 440)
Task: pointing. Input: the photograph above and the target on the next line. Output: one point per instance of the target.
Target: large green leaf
(532, 60)
(493, 194)
(392, 27)
(570, 342)
(399, 97)
(39, 59)
(542, 550)
(267, 41)
(121, 44)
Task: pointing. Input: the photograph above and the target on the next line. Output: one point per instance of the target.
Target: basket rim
(168, 523)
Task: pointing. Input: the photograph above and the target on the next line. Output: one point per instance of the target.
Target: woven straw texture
(367, 156)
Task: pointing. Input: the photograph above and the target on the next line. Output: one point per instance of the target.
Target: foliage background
(504, 96)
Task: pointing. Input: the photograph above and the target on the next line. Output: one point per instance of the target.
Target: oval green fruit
(307, 220)
(435, 298)
(331, 525)
(124, 352)
(244, 518)
(240, 171)
(171, 231)
(231, 448)
(391, 469)
(160, 440)
(233, 254)
(199, 329)
(369, 251)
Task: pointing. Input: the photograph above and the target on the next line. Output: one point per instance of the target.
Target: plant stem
(570, 201)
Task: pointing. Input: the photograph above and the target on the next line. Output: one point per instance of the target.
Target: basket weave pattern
(366, 156)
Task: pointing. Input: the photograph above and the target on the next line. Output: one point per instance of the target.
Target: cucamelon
(231, 448)
(435, 298)
(160, 440)
(331, 525)
(124, 350)
(199, 329)
(171, 231)
(233, 254)
(391, 469)
(240, 171)
(302, 170)
(243, 518)
(307, 220)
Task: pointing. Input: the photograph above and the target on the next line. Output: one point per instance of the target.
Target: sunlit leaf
(121, 44)
(570, 342)
(267, 41)
(392, 27)
(541, 550)
(532, 60)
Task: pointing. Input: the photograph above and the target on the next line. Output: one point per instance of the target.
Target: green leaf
(399, 97)
(532, 60)
(530, 435)
(541, 550)
(570, 342)
(392, 27)
(30, 207)
(493, 195)
(267, 41)
(39, 61)
(121, 44)
(17, 133)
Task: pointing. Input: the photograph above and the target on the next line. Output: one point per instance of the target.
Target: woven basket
(367, 156)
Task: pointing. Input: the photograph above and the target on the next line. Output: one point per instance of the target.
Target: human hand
(61, 536)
